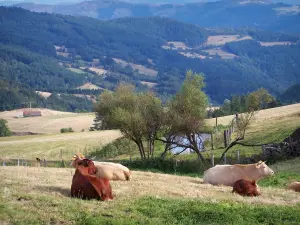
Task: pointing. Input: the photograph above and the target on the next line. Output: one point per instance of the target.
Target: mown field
(40, 195)
(37, 195)
(270, 125)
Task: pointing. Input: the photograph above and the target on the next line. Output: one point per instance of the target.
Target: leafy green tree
(186, 114)
(136, 115)
(259, 99)
(4, 130)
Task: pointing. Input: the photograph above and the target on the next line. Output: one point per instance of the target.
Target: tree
(259, 99)
(186, 114)
(4, 130)
(136, 115)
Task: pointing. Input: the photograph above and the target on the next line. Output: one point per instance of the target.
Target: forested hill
(57, 53)
(262, 14)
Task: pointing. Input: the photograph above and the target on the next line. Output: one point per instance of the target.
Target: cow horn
(80, 155)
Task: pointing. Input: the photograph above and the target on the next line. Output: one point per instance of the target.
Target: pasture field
(50, 122)
(50, 146)
(270, 125)
(39, 195)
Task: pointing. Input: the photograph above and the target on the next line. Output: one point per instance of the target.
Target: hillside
(153, 51)
(267, 15)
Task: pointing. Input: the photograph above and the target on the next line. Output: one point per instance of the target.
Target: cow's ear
(257, 165)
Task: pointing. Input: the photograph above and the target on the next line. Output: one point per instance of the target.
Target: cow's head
(86, 165)
(76, 157)
(263, 169)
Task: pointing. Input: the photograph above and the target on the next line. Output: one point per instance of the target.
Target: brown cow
(245, 188)
(86, 185)
(294, 186)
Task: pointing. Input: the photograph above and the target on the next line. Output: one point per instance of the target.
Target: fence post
(225, 139)
(238, 156)
(225, 158)
(4, 163)
(212, 159)
(61, 154)
(45, 164)
(18, 162)
(216, 121)
(212, 141)
(130, 159)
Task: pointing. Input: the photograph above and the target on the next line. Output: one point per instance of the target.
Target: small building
(28, 113)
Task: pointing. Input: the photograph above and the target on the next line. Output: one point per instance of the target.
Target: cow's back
(222, 175)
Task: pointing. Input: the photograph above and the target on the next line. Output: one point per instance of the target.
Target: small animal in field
(245, 188)
(228, 174)
(87, 185)
(294, 186)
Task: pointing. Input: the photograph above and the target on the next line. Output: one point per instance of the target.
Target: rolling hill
(63, 53)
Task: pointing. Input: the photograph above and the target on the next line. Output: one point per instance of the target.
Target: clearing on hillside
(44, 94)
(218, 51)
(141, 69)
(51, 121)
(89, 86)
(223, 39)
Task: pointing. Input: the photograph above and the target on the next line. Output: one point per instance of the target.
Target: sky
(53, 2)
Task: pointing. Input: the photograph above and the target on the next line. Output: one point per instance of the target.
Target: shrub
(118, 147)
(66, 130)
(4, 130)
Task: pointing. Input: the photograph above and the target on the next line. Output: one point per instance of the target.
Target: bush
(66, 130)
(118, 147)
(187, 167)
(4, 130)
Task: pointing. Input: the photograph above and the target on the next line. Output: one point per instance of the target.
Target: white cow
(228, 174)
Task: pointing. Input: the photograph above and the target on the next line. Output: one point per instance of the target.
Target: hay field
(218, 51)
(50, 147)
(223, 39)
(266, 115)
(51, 121)
(39, 179)
(43, 194)
(89, 86)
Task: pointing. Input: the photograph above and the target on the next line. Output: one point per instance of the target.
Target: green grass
(146, 210)
(75, 70)
(285, 173)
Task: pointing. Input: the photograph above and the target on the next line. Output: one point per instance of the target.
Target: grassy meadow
(270, 125)
(38, 195)
(41, 195)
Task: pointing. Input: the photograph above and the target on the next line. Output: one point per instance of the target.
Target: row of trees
(142, 118)
(259, 99)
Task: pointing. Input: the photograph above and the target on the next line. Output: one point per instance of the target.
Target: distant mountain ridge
(235, 14)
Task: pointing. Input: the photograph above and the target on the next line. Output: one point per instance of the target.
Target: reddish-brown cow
(86, 185)
(245, 188)
(294, 186)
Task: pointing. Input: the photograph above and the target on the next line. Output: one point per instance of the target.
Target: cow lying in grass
(229, 174)
(108, 170)
(86, 184)
(245, 188)
(294, 186)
